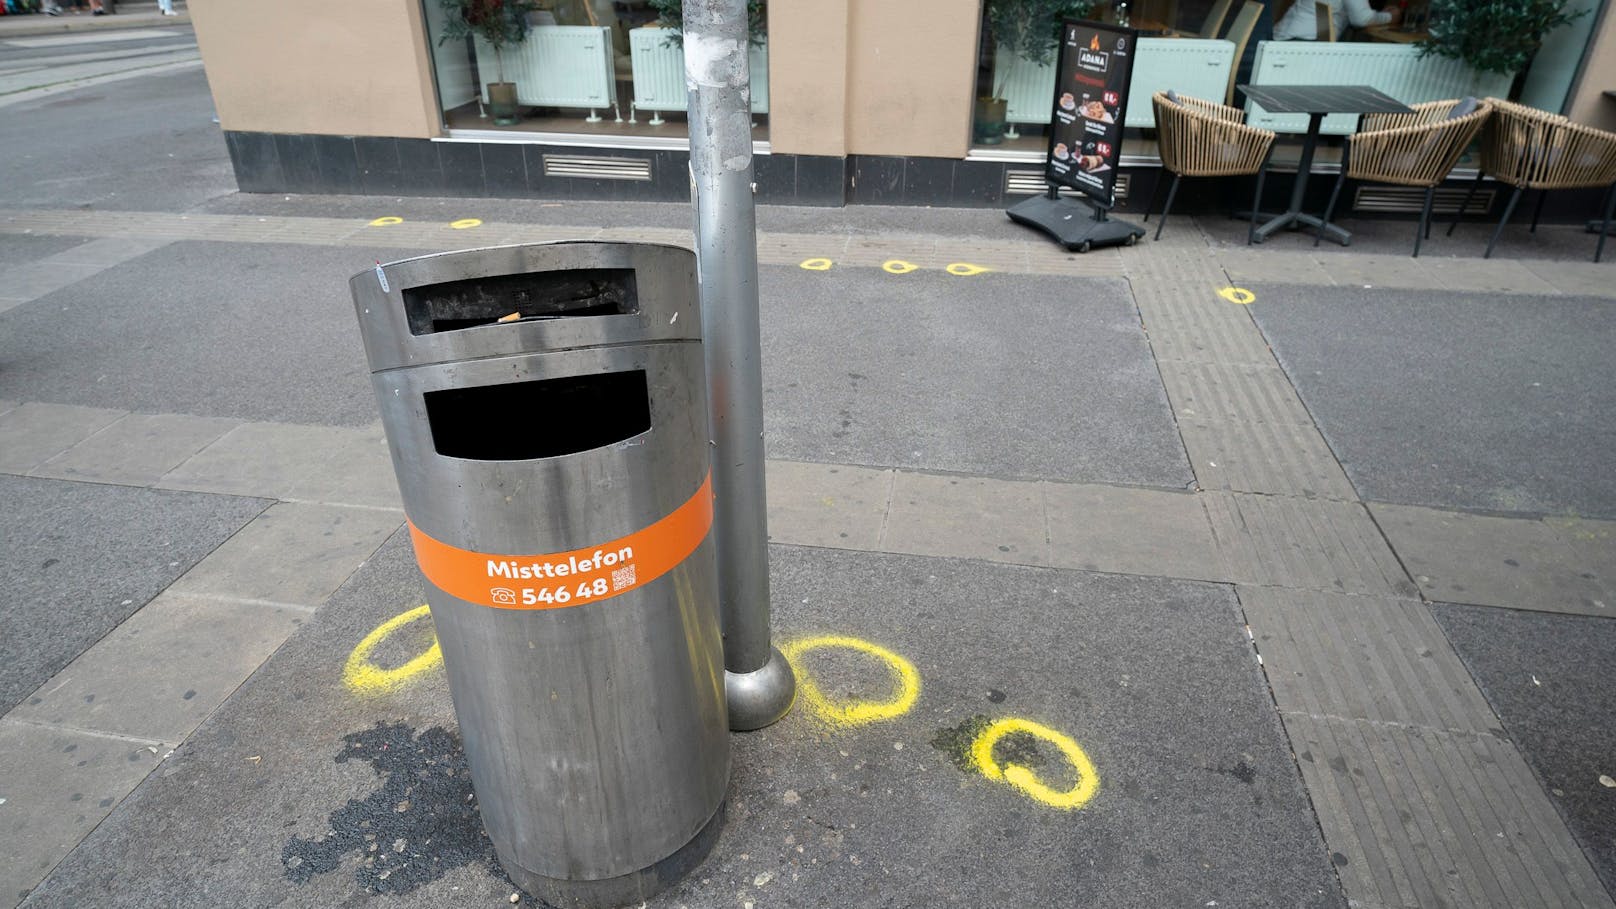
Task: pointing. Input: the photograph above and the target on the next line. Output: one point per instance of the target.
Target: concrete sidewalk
(1282, 571)
(1313, 574)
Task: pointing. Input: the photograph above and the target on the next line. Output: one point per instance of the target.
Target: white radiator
(1190, 66)
(1396, 69)
(557, 66)
(1028, 87)
(659, 72)
(1197, 67)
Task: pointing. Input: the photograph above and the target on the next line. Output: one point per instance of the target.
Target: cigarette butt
(510, 318)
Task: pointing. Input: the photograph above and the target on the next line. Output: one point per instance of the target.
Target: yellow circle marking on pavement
(1088, 781)
(1237, 295)
(816, 264)
(965, 269)
(898, 267)
(388, 221)
(364, 677)
(464, 223)
(854, 712)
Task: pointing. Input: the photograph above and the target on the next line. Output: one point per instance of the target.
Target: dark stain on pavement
(421, 823)
(1019, 748)
(1241, 771)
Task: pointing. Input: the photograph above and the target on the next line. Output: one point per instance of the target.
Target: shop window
(1204, 48)
(1015, 66)
(589, 67)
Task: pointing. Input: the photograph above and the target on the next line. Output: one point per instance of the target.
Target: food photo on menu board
(1095, 64)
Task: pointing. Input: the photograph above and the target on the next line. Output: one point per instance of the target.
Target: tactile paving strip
(1419, 818)
(1285, 459)
(1311, 544)
(1365, 658)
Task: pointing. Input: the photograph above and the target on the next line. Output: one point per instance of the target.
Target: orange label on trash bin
(553, 580)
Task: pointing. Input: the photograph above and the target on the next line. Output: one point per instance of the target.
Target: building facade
(855, 101)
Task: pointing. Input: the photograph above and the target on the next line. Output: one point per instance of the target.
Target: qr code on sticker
(623, 577)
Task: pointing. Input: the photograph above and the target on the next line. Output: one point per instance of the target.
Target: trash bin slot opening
(455, 305)
(546, 418)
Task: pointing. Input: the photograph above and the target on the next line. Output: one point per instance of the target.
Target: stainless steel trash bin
(546, 410)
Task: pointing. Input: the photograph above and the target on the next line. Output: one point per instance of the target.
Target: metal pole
(757, 679)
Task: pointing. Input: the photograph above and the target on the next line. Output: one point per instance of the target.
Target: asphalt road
(112, 122)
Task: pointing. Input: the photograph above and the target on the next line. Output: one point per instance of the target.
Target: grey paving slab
(35, 432)
(967, 518)
(1415, 817)
(997, 375)
(1588, 279)
(1467, 400)
(1375, 271)
(32, 280)
(1549, 678)
(1488, 276)
(1132, 531)
(1253, 394)
(81, 557)
(19, 249)
(1492, 561)
(1311, 544)
(1265, 266)
(1198, 799)
(157, 675)
(1593, 544)
(827, 504)
(293, 553)
(136, 450)
(1393, 237)
(58, 784)
(107, 251)
(1287, 459)
(218, 329)
(1363, 658)
(318, 464)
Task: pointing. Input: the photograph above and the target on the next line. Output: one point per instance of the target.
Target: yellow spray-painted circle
(1237, 295)
(898, 267)
(816, 264)
(965, 269)
(464, 223)
(365, 677)
(856, 712)
(1088, 781)
(388, 221)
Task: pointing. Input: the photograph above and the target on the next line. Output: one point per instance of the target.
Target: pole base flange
(761, 697)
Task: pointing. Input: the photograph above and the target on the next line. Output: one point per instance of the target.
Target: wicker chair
(1205, 139)
(1417, 149)
(1531, 149)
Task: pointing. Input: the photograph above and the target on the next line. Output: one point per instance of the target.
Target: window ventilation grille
(1410, 199)
(597, 168)
(1031, 183)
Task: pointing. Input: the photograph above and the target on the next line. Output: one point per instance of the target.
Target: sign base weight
(1078, 226)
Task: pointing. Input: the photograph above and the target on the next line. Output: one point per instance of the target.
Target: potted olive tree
(499, 24)
(1026, 33)
(1493, 36)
